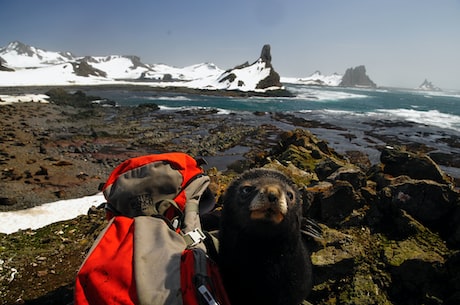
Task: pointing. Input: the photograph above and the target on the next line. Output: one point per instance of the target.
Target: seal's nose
(272, 194)
(272, 198)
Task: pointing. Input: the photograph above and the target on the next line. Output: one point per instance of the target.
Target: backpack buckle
(193, 237)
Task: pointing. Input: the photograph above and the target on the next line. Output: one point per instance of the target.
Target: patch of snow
(47, 213)
(10, 99)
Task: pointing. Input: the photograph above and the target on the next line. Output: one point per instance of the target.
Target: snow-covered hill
(316, 79)
(25, 65)
(19, 55)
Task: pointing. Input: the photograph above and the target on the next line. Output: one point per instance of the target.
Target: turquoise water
(374, 117)
(438, 109)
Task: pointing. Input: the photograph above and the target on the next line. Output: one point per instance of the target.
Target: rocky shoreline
(391, 230)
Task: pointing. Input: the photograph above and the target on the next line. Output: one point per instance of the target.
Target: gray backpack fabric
(154, 205)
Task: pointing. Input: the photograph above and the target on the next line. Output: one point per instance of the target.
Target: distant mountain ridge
(34, 66)
(20, 55)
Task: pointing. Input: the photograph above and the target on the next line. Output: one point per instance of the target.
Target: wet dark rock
(327, 167)
(397, 161)
(337, 203)
(7, 201)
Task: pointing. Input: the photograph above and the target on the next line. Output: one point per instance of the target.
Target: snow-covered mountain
(316, 79)
(162, 72)
(19, 55)
(23, 65)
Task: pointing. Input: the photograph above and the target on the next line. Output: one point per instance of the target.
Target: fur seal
(263, 258)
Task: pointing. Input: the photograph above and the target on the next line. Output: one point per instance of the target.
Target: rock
(273, 79)
(397, 162)
(62, 163)
(415, 260)
(83, 68)
(7, 201)
(357, 77)
(270, 84)
(351, 174)
(326, 168)
(434, 205)
(428, 86)
(265, 54)
(418, 282)
(167, 77)
(43, 171)
(338, 202)
(3, 68)
(453, 275)
(60, 96)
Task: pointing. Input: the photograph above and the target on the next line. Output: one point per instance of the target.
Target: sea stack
(357, 77)
(428, 86)
(273, 79)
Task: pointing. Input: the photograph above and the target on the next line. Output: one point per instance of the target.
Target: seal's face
(270, 199)
(263, 195)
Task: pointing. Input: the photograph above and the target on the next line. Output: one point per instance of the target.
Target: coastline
(63, 152)
(377, 220)
(142, 86)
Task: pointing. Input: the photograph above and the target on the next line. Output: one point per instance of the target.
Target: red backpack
(152, 250)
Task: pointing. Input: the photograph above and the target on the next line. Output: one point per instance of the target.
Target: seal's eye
(290, 195)
(246, 190)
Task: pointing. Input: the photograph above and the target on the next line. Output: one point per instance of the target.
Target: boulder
(412, 187)
(397, 161)
(338, 203)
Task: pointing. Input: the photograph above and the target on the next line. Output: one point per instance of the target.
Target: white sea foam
(170, 98)
(325, 95)
(431, 117)
(430, 94)
(219, 110)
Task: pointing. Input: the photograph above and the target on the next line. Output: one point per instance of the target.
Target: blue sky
(401, 42)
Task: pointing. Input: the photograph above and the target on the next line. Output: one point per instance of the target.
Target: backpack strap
(201, 278)
(194, 237)
(192, 225)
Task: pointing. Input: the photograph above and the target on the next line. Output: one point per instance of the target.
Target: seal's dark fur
(262, 261)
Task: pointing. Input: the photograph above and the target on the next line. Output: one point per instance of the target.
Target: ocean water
(431, 119)
(440, 109)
